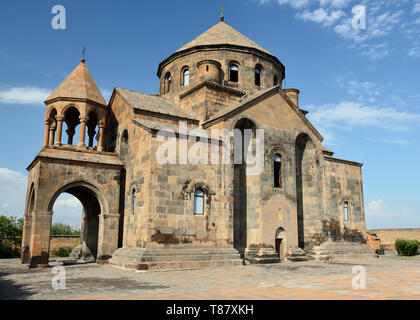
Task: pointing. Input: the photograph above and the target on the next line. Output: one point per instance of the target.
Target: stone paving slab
(389, 277)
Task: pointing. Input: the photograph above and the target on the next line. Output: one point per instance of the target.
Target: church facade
(149, 205)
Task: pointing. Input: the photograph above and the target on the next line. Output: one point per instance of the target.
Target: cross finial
(83, 54)
(222, 9)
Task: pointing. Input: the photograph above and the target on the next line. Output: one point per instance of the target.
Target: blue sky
(362, 87)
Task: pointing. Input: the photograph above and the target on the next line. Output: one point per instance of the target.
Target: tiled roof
(142, 101)
(79, 85)
(222, 33)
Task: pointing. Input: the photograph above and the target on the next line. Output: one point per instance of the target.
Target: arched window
(277, 171)
(346, 211)
(167, 82)
(233, 73)
(186, 77)
(199, 201)
(257, 75)
(133, 202)
(276, 80)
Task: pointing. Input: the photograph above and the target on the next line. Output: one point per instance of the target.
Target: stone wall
(64, 241)
(388, 236)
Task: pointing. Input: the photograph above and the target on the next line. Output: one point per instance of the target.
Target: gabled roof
(250, 101)
(78, 85)
(152, 103)
(222, 33)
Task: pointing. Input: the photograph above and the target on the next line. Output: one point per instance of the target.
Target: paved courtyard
(389, 277)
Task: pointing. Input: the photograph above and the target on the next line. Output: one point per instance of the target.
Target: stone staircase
(342, 251)
(175, 258)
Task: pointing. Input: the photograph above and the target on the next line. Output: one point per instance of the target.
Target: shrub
(7, 251)
(407, 247)
(61, 252)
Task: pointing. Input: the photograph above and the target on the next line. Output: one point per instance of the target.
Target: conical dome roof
(220, 34)
(78, 85)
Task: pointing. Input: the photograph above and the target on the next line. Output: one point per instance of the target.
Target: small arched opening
(92, 129)
(257, 72)
(72, 120)
(167, 83)
(186, 77)
(280, 243)
(233, 72)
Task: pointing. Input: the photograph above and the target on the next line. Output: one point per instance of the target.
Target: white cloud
(416, 8)
(351, 115)
(24, 95)
(391, 141)
(12, 192)
(70, 202)
(383, 18)
(322, 16)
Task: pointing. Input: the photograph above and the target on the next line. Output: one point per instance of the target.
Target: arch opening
(71, 121)
(240, 206)
(79, 198)
(304, 150)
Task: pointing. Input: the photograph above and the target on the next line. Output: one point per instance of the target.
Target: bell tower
(76, 101)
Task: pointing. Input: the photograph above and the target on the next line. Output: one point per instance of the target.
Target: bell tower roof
(78, 85)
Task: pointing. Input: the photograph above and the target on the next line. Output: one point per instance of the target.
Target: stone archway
(90, 219)
(97, 225)
(93, 206)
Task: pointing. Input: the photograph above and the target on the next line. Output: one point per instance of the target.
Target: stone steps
(348, 251)
(172, 258)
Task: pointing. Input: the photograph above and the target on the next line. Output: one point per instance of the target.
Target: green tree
(61, 229)
(11, 229)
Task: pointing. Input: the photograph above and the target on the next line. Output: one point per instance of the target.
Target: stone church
(141, 213)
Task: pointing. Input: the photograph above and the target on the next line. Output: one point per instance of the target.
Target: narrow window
(276, 80)
(186, 77)
(277, 171)
(233, 73)
(199, 201)
(133, 204)
(167, 82)
(257, 76)
(346, 211)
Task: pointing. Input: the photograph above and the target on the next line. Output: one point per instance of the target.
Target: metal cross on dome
(222, 9)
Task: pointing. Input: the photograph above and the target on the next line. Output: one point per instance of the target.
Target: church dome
(244, 65)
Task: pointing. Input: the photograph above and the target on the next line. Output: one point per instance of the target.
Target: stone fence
(64, 241)
(388, 236)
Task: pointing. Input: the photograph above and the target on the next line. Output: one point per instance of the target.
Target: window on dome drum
(276, 80)
(199, 201)
(133, 204)
(167, 82)
(257, 75)
(186, 77)
(277, 171)
(346, 211)
(233, 73)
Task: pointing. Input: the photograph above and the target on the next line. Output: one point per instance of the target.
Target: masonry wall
(64, 241)
(388, 236)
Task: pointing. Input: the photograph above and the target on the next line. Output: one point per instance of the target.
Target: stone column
(70, 133)
(46, 133)
(91, 134)
(108, 235)
(52, 134)
(83, 121)
(26, 237)
(40, 239)
(101, 137)
(60, 120)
